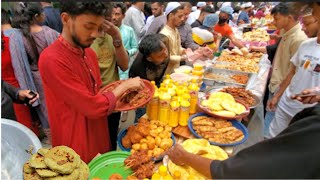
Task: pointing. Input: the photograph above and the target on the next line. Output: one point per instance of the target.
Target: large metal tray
(231, 70)
(226, 79)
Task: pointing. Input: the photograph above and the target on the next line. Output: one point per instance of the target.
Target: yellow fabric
(107, 60)
(175, 47)
(287, 47)
(203, 37)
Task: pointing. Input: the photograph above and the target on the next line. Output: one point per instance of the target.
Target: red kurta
(77, 112)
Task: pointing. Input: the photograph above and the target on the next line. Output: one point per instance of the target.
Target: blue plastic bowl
(235, 123)
(123, 132)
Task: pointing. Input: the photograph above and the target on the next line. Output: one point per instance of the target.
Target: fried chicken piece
(135, 137)
(126, 142)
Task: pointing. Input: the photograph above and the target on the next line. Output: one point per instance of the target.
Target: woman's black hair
(5, 17)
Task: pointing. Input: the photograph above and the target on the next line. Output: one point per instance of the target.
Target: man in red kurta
(71, 79)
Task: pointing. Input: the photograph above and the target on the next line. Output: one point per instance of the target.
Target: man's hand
(177, 154)
(308, 96)
(272, 103)
(111, 29)
(23, 94)
(274, 36)
(130, 84)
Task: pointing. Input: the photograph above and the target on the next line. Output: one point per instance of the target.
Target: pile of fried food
(141, 164)
(223, 104)
(200, 147)
(257, 35)
(131, 97)
(153, 136)
(239, 56)
(237, 66)
(242, 94)
(117, 176)
(216, 130)
(57, 163)
(225, 77)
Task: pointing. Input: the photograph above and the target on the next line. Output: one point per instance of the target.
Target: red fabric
(21, 111)
(224, 30)
(260, 14)
(77, 112)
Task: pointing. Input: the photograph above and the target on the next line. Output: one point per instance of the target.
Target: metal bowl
(15, 140)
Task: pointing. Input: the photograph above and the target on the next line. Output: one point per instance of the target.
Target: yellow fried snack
(37, 161)
(62, 159)
(215, 107)
(27, 168)
(84, 171)
(74, 175)
(42, 151)
(234, 107)
(46, 173)
(220, 97)
(32, 176)
(225, 113)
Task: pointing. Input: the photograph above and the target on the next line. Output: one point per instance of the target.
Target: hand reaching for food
(308, 96)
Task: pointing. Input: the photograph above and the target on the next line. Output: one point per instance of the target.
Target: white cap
(249, 4)
(171, 6)
(194, 8)
(201, 4)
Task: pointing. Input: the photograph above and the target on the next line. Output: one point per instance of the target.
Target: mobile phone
(26, 100)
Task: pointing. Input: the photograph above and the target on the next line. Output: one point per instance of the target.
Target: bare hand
(274, 36)
(111, 29)
(177, 154)
(272, 103)
(133, 84)
(23, 94)
(313, 98)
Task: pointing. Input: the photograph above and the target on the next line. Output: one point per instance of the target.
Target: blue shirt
(244, 16)
(53, 19)
(129, 39)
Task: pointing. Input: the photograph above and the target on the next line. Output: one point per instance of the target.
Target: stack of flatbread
(58, 163)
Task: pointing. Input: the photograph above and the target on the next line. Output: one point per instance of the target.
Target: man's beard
(76, 39)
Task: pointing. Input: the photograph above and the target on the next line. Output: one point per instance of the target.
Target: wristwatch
(117, 43)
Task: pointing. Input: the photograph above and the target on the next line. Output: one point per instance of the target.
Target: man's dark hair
(122, 6)
(75, 8)
(158, 2)
(285, 9)
(5, 17)
(150, 44)
(207, 9)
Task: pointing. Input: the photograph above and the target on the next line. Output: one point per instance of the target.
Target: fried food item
(240, 78)
(42, 151)
(62, 159)
(225, 113)
(37, 161)
(46, 173)
(32, 176)
(131, 177)
(135, 137)
(115, 176)
(84, 171)
(241, 94)
(74, 175)
(126, 142)
(233, 107)
(27, 168)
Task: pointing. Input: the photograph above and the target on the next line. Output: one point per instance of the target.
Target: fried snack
(42, 151)
(135, 137)
(32, 176)
(126, 142)
(220, 131)
(243, 67)
(115, 176)
(74, 175)
(27, 168)
(240, 78)
(84, 171)
(242, 94)
(46, 173)
(141, 164)
(37, 161)
(62, 159)
(131, 177)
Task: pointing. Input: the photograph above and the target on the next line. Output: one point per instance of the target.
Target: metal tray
(219, 88)
(230, 63)
(227, 81)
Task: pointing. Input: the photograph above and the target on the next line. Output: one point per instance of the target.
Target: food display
(132, 99)
(141, 164)
(60, 162)
(240, 57)
(152, 136)
(227, 77)
(237, 66)
(216, 130)
(200, 147)
(242, 94)
(257, 35)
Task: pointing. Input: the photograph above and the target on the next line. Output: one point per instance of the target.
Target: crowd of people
(67, 56)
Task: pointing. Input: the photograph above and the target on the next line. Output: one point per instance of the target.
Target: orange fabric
(224, 30)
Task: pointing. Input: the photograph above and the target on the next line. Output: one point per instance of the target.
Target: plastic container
(198, 67)
(164, 107)
(193, 89)
(176, 175)
(174, 112)
(153, 107)
(184, 113)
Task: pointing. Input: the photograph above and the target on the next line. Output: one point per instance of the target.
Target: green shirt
(105, 51)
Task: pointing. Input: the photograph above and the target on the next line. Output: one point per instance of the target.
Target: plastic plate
(235, 123)
(121, 106)
(123, 132)
(103, 166)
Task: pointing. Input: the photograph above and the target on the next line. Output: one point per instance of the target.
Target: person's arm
(283, 86)
(258, 49)
(235, 41)
(133, 44)
(18, 95)
(310, 96)
(189, 43)
(180, 156)
(121, 54)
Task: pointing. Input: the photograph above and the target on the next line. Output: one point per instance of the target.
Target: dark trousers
(113, 123)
